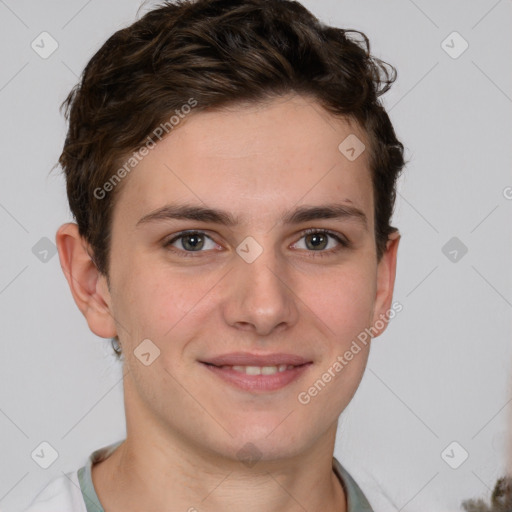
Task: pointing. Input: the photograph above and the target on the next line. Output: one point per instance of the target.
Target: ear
(386, 271)
(87, 284)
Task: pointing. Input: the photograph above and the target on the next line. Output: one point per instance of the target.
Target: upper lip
(248, 359)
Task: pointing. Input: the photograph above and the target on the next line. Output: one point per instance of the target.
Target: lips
(257, 383)
(257, 372)
(261, 360)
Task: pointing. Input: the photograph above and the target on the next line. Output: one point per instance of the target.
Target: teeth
(261, 370)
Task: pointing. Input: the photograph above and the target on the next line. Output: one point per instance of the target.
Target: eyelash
(344, 243)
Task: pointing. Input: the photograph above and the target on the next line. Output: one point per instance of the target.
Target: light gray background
(441, 371)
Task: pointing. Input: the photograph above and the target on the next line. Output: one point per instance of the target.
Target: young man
(232, 175)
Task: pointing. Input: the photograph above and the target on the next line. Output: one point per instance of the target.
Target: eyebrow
(297, 216)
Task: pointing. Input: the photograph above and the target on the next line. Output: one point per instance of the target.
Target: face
(245, 275)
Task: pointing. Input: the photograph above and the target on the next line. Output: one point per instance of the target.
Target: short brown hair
(218, 52)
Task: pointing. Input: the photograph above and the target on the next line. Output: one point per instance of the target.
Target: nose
(259, 295)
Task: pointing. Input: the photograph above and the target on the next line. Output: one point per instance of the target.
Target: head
(230, 118)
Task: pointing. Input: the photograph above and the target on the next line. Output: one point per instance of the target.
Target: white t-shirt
(74, 492)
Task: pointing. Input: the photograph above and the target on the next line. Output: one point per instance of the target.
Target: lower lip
(258, 382)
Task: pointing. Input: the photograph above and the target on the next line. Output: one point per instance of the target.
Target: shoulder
(62, 494)
(356, 499)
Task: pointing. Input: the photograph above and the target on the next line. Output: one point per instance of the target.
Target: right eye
(190, 242)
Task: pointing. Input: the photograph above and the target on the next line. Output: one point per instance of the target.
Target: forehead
(256, 160)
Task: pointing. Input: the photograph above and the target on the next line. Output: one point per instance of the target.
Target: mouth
(258, 373)
(258, 370)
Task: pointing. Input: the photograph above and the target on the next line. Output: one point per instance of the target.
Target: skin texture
(185, 426)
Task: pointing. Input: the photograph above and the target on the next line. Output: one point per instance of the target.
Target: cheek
(157, 302)
(343, 299)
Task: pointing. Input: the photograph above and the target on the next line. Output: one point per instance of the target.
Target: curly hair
(220, 53)
(501, 499)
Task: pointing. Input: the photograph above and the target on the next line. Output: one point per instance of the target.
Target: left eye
(315, 240)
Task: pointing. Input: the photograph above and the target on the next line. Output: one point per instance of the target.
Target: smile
(260, 370)
(258, 378)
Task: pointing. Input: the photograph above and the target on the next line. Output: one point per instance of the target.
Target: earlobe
(386, 272)
(87, 284)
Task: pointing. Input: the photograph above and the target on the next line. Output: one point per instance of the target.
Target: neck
(156, 466)
(149, 474)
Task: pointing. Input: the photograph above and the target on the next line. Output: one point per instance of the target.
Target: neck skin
(152, 472)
